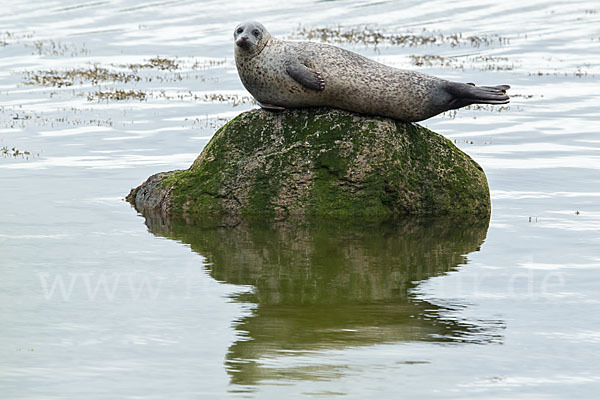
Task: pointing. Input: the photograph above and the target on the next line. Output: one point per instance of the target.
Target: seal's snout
(243, 42)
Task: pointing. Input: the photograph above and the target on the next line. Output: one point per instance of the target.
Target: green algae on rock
(320, 162)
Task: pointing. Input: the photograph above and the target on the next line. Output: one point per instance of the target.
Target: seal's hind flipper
(502, 88)
(271, 107)
(305, 76)
(467, 94)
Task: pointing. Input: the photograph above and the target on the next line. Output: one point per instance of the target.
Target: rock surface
(320, 162)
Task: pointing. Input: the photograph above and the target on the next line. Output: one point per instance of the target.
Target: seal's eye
(240, 30)
(255, 32)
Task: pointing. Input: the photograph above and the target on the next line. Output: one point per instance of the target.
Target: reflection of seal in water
(282, 74)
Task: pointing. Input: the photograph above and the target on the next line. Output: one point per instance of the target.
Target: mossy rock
(320, 162)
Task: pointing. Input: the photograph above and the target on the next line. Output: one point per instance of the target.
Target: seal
(286, 74)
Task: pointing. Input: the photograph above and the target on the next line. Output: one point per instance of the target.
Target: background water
(97, 302)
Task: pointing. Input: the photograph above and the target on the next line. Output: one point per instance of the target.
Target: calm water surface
(97, 301)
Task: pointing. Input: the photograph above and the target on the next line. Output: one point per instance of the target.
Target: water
(158, 309)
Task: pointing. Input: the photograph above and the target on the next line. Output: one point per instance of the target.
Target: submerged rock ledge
(320, 162)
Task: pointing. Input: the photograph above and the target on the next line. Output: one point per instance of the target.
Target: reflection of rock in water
(327, 285)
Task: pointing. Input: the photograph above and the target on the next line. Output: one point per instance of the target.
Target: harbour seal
(285, 74)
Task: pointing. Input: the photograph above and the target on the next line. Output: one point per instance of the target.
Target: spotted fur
(344, 80)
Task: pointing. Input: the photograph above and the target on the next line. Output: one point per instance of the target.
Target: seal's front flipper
(305, 76)
(271, 107)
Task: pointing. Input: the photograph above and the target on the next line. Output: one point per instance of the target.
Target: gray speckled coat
(352, 82)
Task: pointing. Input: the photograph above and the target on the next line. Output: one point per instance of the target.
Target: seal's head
(250, 38)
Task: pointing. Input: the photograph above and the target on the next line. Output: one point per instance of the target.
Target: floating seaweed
(490, 63)
(96, 73)
(53, 48)
(157, 62)
(117, 94)
(14, 152)
(370, 36)
(70, 77)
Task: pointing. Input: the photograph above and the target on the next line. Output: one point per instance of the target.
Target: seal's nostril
(243, 42)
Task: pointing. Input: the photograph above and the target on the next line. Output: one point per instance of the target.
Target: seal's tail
(467, 93)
